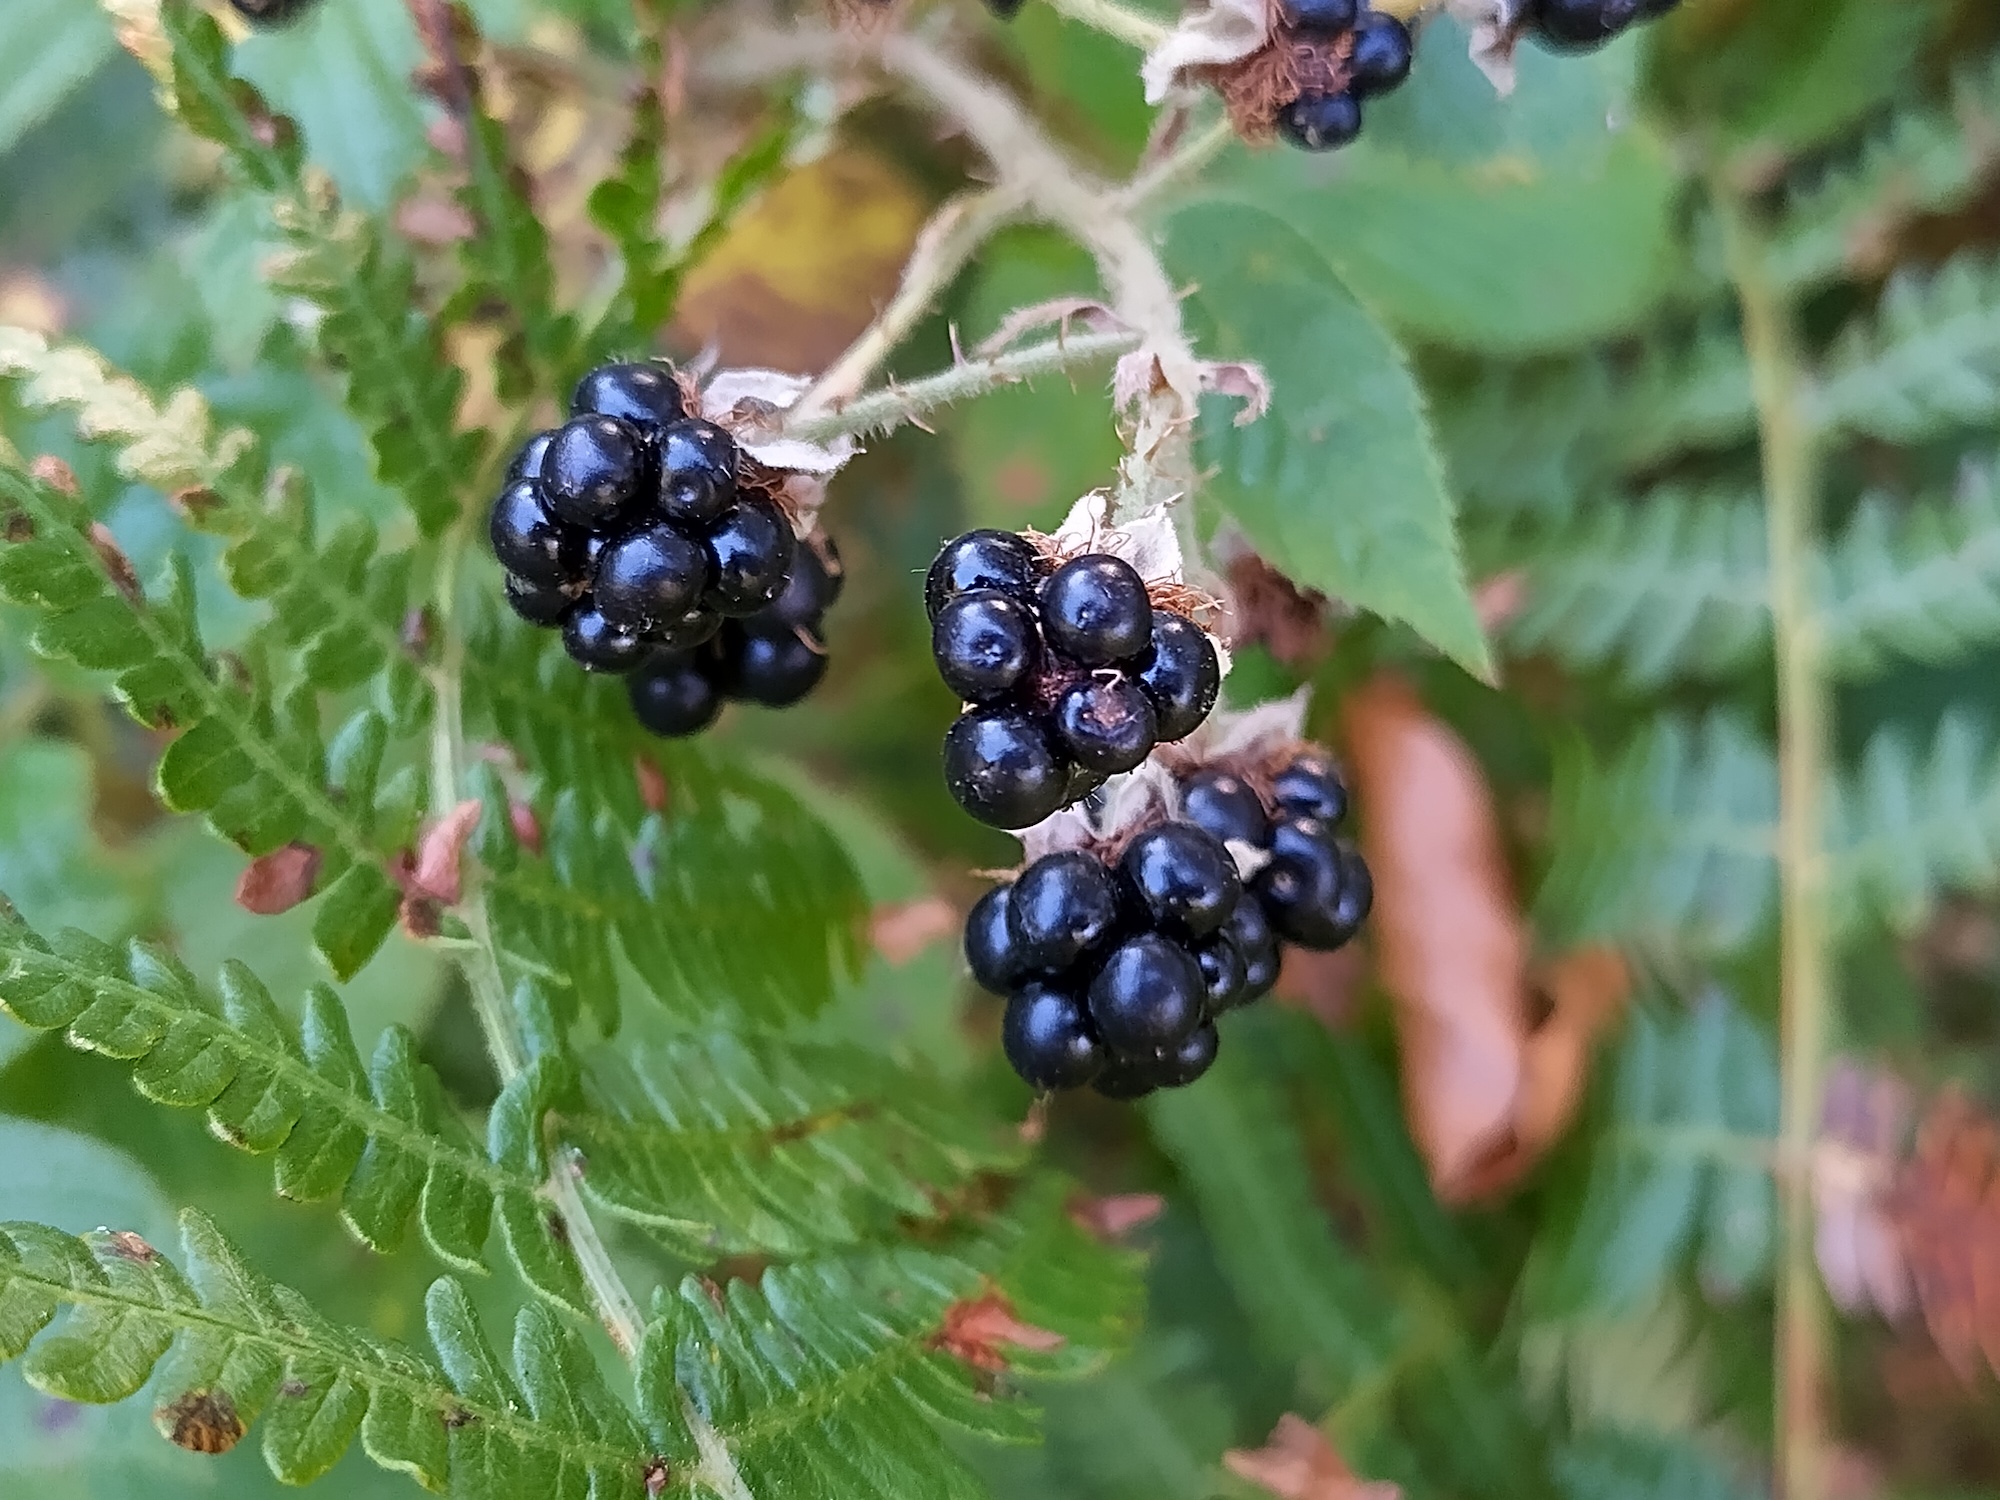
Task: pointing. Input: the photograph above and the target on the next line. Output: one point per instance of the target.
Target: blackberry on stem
(1063, 906)
(642, 393)
(983, 560)
(999, 767)
(592, 470)
(1095, 609)
(1047, 1037)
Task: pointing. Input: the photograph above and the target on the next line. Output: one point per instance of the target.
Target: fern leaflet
(1928, 362)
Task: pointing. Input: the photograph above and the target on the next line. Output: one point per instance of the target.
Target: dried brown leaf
(123, 576)
(975, 1327)
(1863, 1117)
(1299, 1462)
(1946, 1206)
(201, 1422)
(903, 931)
(276, 882)
(56, 474)
(1116, 1215)
(438, 873)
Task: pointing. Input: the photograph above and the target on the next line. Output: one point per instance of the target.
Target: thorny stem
(616, 1307)
(951, 238)
(1791, 488)
(1115, 20)
(895, 404)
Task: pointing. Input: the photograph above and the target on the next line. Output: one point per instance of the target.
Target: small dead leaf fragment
(1268, 609)
(652, 784)
(975, 1328)
(1447, 929)
(1298, 1462)
(129, 1246)
(656, 1476)
(1864, 1114)
(437, 873)
(527, 827)
(1116, 1215)
(276, 882)
(56, 474)
(1499, 599)
(201, 1422)
(1946, 1205)
(124, 577)
(903, 931)
(433, 218)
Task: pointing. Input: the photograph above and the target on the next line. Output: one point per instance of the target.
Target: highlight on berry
(639, 531)
(1069, 670)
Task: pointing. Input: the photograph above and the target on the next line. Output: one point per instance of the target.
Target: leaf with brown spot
(1299, 1462)
(436, 873)
(276, 882)
(124, 577)
(975, 1327)
(652, 784)
(903, 931)
(201, 1422)
(1116, 1215)
(129, 1246)
(56, 474)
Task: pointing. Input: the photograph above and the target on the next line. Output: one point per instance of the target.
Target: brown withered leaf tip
(974, 1328)
(201, 1422)
(1946, 1206)
(124, 577)
(126, 1245)
(901, 931)
(1266, 608)
(527, 827)
(652, 784)
(1299, 1462)
(276, 882)
(1114, 1215)
(658, 1472)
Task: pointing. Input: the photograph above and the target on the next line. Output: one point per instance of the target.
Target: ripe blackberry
(1381, 57)
(775, 665)
(750, 551)
(1181, 878)
(538, 603)
(983, 560)
(1105, 724)
(1580, 25)
(1006, 10)
(1125, 1081)
(1147, 995)
(648, 578)
(1177, 1067)
(985, 644)
(1224, 806)
(1047, 1036)
(1063, 906)
(1305, 886)
(1095, 610)
(529, 542)
(1181, 674)
(811, 587)
(597, 645)
(1249, 928)
(1310, 788)
(672, 696)
(1320, 122)
(644, 394)
(1319, 15)
(593, 469)
(1357, 894)
(990, 950)
(999, 767)
(271, 12)
(527, 462)
(697, 473)
(690, 630)
(1225, 975)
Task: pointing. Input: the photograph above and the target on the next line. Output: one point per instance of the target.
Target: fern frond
(1921, 584)
(732, 893)
(723, 1145)
(1907, 829)
(399, 382)
(1694, 397)
(1929, 161)
(379, 1137)
(1928, 361)
(225, 1347)
(338, 602)
(1670, 585)
(1669, 844)
(1609, 1463)
(1682, 1163)
(830, 1379)
(249, 758)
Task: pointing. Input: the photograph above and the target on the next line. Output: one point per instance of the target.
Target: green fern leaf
(1682, 1164)
(400, 385)
(339, 603)
(1844, 225)
(732, 894)
(1671, 585)
(724, 1145)
(1927, 363)
(1609, 1463)
(248, 757)
(1670, 844)
(1692, 397)
(377, 1136)
(1906, 830)
(225, 1347)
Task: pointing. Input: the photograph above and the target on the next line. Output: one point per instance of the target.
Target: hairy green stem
(1114, 20)
(1791, 485)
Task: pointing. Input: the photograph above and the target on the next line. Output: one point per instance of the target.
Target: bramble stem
(894, 405)
(1115, 20)
(1791, 487)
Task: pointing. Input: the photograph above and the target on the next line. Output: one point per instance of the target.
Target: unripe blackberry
(1047, 1037)
(672, 696)
(750, 551)
(1320, 122)
(593, 469)
(1147, 995)
(1105, 724)
(1181, 878)
(985, 644)
(1181, 674)
(999, 767)
(1095, 610)
(983, 560)
(1063, 906)
(646, 395)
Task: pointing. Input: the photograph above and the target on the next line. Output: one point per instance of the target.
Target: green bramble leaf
(1339, 485)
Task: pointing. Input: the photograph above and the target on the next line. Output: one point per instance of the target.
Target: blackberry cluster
(775, 657)
(1115, 977)
(1071, 672)
(1378, 60)
(626, 528)
(1315, 890)
(1585, 25)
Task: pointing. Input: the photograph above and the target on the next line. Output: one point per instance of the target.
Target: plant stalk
(1805, 711)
